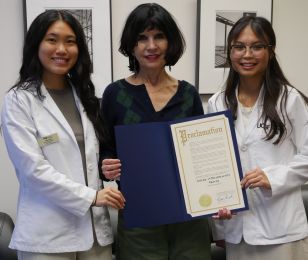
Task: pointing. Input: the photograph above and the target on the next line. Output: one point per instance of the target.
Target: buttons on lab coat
(244, 148)
(90, 167)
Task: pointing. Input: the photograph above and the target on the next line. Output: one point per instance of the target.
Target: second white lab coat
(54, 201)
(276, 216)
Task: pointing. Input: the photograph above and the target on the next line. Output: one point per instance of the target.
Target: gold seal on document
(205, 200)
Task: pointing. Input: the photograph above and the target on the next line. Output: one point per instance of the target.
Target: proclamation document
(179, 170)
(208, 163)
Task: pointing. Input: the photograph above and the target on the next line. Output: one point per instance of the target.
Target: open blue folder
(150, 179)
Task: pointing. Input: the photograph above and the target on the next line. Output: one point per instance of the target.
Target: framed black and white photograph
(94, 16)
(215, 19)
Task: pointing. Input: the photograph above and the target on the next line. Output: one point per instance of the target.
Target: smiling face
(151, 49)
(58, 51)
(252, 63)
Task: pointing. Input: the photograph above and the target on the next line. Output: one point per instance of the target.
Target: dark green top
(124, 103)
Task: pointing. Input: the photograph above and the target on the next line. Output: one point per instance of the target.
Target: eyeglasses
(239, 50)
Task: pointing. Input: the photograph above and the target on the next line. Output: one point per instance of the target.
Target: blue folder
(150, 178)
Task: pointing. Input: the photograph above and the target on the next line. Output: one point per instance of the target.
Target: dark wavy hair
(30, 74)
(151, 16)
(275, 83)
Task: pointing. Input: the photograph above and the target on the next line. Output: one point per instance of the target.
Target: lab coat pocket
(272, 213)
(264, 153)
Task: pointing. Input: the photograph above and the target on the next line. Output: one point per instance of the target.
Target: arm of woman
(109, 196)
(33, 169)
(110, 168)
(287, 176)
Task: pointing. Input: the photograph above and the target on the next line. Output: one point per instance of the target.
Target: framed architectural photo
(94, 16)
(215, 19)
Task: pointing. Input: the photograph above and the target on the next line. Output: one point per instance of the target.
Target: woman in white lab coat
(271, 122)
(52, 126)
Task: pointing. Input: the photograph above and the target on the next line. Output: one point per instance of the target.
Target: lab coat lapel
(54, 110)
(239, 128)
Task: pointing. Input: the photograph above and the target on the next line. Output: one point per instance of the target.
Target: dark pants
(179, 241)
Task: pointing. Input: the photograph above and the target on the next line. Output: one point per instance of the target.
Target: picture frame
(215, 19)
(95, 17)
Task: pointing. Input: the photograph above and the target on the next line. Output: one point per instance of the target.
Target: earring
(170, 68)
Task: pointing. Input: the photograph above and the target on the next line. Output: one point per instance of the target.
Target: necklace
(246, 110)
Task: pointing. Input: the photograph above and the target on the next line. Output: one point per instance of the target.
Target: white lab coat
(276, 216)
(54, 202)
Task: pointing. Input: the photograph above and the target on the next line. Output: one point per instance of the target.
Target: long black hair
(275, 83)
(151, 16)
(30, 74)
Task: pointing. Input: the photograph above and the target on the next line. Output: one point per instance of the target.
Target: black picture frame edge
(198, 45)
(272, 11)
(24, 6)
(111, 42)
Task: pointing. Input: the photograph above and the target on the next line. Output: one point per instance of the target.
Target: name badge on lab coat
(49, 139)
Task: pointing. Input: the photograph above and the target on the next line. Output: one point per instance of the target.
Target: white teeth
(59, 60)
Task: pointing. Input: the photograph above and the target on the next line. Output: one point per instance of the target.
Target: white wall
(11, 31)
(290, 20)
